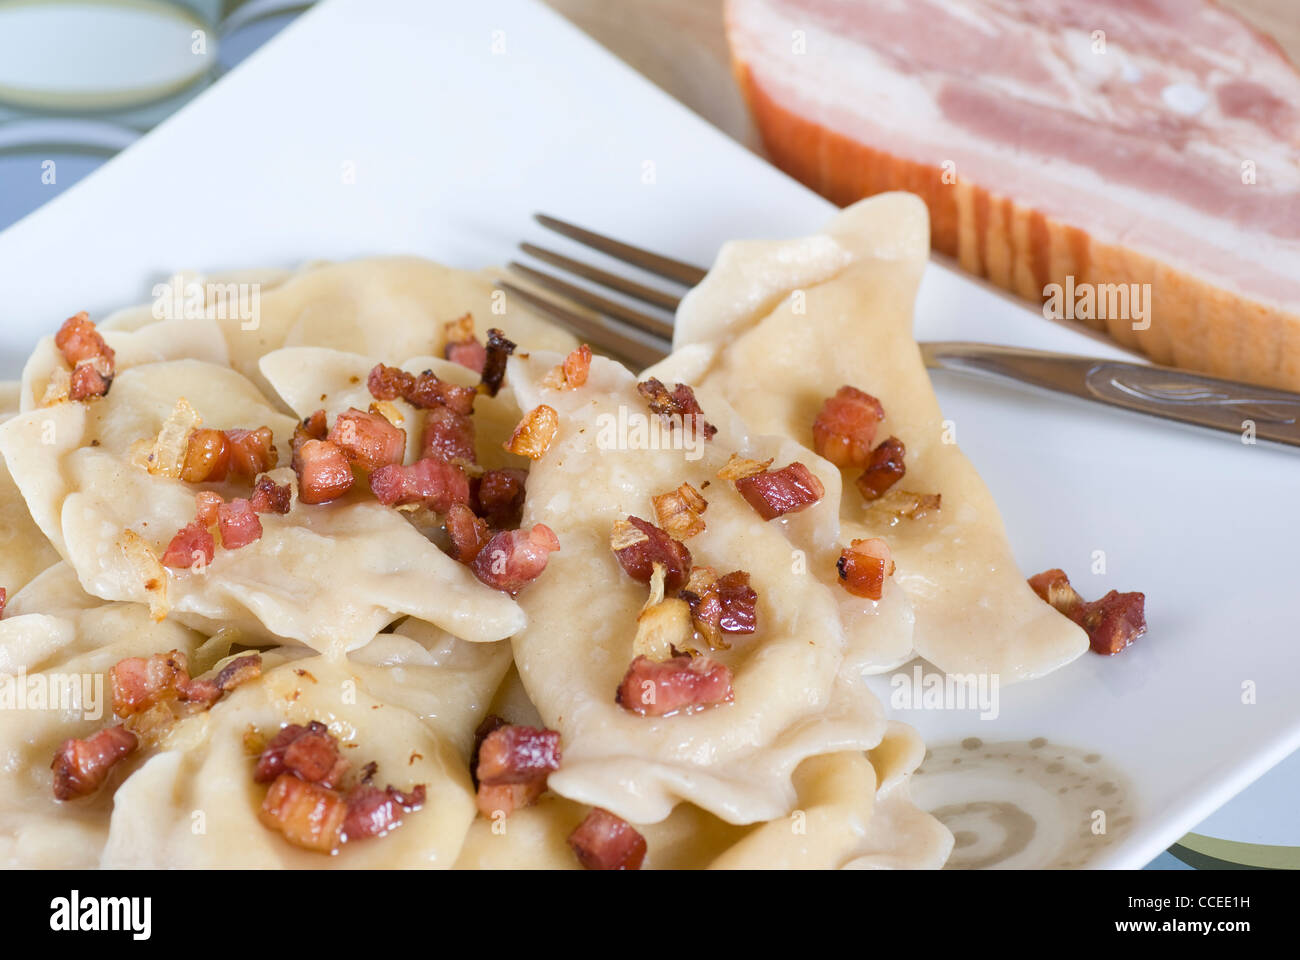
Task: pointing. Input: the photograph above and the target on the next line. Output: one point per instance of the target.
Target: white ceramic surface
(460, 120)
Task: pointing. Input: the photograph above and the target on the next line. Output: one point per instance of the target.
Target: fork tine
(662, 266)
(642, 321)
(640, 351)
(637, 291)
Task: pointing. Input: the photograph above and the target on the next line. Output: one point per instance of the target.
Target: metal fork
(642, 339)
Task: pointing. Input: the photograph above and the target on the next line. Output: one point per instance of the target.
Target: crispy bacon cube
(1112, 623)
(774, 493)
(572, 373)
(461, 346)
(373, 812)
(207, 456)
(606, 842)
(517, 754)
(504, 799)
(468, 533)
(251, 452)
(676, 405)
(314, 427)
(499, 350)
(884, 469)
(501, 497)
(88, 382)
(449, 436)
(433, 483)
(271, 497)
(192, 544)
(78, 340)
(512, 559)
(368, 439)
(845, 427)
(208, 690)
(309, 815)
(139, 683)
(239, 524)
(309, 753)
(424, 391)
(81, 766)
(324, 473)
(660, 688)
(863, 566)
(639, 545)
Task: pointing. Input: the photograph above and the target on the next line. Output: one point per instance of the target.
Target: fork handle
(1157, 391)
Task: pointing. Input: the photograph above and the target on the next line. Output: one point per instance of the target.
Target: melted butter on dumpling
(776, 357)
(329, 575)
(195, 803)
(795, 694)
(57, 639)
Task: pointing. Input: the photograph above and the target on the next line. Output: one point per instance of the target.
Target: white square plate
(460, 120)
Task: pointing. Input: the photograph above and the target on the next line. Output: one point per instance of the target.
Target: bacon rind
(81, 766)
(251, 451)
(604, 841)
(775, 493)
(91, 358)
(845, 427)
(373, 812)
(468, 534)
(208, 690)
(681, 684)
(424, 391)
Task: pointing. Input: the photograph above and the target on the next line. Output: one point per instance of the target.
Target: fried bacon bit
(512, 753)
(4, 600)
(270, 497)
(310, 753)
(898, 505)
(679, 684)
(738, 467)
(207, 457)
(1112, 623)
(462, 346)
(498, 352)
(238, 523)
(309, 815)
(884, 469)
(193, 544)
(676, 404)
(501, 497)
(208, 690)
(504, 799)
(91, 358)
(606, 842)
(721, 605)
(251, 452)
(367, 439)
(373, 812)
(140, 682)
(533, 436)
(863, 566)
(514, 558)
(639, 545)
(845, 427)
(774, 493)
(432, 483)
(81, 766)
(206, 507)
(449, 436)
(324, 473)
(572, 373)
(311, 428)
(680, 512)
(468, 533)
(424, 392)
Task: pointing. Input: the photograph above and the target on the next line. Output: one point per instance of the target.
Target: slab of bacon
(678, 685)
(863, 566)
(1021, 124)
(510, 765)
(639, 545)
(81, 766)
(845, 427)
(461, 346)
(512, 559)
(91, 359)
(675, 406)
(1112, 623)
(368, 440)
(774, 493)
(606, 842)
(306, 804)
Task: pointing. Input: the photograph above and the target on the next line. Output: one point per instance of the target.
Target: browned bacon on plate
(251, 452)
(517, 754)
(81, 766)
(658, 688)
(606, 842)
(884, 469)
(91, 359)
(639, 545)
(431, 482)
(774, 493)
(1112, 623)
(863, 566)
(424, 391)
(845, 427)
(324, 473)
(367, 439)
(514, 558)
(572, 373)
(676, 405)
(271, 497)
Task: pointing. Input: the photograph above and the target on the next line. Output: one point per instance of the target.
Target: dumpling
(195, 803)
(777, 327)
(59, 643)
(24, 551)
(797, 692)
(329, 576)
